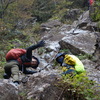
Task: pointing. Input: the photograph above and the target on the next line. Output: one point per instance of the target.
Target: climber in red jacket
(88, 3)
(91, 2)
(21, 59)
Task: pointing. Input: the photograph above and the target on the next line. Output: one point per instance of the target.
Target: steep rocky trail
(57, 36)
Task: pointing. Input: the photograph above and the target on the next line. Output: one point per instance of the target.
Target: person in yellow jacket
(70, 63)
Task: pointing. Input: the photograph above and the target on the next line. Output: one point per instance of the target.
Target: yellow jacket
(74, 61)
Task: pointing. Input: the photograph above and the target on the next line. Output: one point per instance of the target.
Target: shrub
(78, 87)
(95, 11)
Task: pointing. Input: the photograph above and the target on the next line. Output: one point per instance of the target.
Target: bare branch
(4, 5)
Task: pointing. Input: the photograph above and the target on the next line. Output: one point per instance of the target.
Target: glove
(41, 43)
(5, 76)
(66, 65)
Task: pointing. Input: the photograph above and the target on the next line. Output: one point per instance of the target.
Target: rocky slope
(41, 86)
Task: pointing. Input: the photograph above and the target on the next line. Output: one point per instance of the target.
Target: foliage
(13, 15)
(95, 11)
(98, 25)
(2, 62)
(17, 11)
(54, 9)
(65, 50)
(1, 71)
(23, 95)
(33, 33)
(43, 9)
(85, 56)
(78, 87)
(61, 10)
(36, 28)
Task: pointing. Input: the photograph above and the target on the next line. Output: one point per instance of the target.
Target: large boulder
(42, 86)
(8, 91)
(80, 43)
(83, 20)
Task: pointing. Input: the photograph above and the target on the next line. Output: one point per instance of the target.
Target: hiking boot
(5, 76)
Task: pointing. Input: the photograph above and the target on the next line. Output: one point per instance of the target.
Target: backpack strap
(20, 62)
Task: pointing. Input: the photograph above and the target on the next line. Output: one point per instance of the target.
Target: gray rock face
(97, 51)
(42, 86)
(92, 72)
(8, 91)
(80, 43)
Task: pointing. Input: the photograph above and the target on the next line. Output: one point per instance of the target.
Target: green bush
(43, 9)
(95, 11)
(78, 87)
(85, 56)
